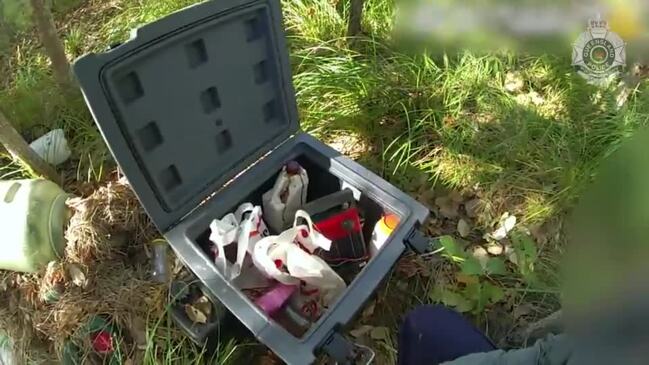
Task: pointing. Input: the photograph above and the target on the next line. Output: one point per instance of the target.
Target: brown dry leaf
(77, 275)
(204, 305)
(380, 333)
(447, 207)
(195, 315)
(463, 228)
(129, 361)
(361, 331)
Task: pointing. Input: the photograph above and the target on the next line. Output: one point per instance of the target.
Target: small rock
(463, 228)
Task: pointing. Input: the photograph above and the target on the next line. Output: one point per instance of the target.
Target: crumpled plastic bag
(245, 227)
(287, 196)
(289, 259)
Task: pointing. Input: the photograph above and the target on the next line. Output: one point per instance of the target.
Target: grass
(428, 120)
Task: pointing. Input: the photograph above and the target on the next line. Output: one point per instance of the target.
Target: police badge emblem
(599, 54)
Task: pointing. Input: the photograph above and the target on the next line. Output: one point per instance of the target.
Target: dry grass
(102, 223)
(107, 239)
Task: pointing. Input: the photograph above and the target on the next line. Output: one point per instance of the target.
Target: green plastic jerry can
(32, 219)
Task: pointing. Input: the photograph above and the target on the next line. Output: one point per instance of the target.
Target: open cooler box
(199, 111)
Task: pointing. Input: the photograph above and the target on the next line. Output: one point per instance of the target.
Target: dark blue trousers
(431, 335)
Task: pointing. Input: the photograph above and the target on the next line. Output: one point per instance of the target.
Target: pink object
(276, 298)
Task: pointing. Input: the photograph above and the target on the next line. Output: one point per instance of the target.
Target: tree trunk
(51, 42)
(17, 147)
(355, 17)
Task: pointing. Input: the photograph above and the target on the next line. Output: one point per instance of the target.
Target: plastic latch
(344, 352)
(419, 242)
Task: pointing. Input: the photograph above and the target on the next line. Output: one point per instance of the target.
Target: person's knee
(436, 313)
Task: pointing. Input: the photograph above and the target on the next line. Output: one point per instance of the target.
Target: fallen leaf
(507, 223)
(129, 361)
(77, 275)
(481, 255)
(495, 249)
(471, 207)
(380, 333)
(204, 305)
(463, 228)
(447, 207)
(361, 331)
(195, 315)
(511, 254)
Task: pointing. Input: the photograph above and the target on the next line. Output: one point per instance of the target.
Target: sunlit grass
(446, 117)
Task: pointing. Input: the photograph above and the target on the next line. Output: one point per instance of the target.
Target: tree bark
(355, 17)
(51, 42)
(18, 147)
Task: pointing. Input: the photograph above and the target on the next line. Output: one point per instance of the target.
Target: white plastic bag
(52, 147)
(245, 227)
(307, 236)
(286, 197)
(288, 259)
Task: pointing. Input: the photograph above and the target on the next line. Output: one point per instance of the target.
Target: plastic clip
(420, 243)
(344, 352)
